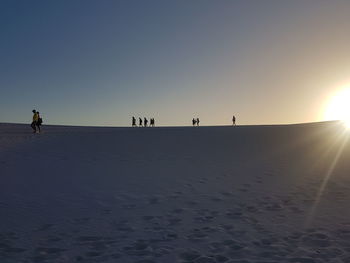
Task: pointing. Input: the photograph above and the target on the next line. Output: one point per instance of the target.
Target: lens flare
(339, 107)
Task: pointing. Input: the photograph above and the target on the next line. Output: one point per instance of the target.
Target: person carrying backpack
(35, 121)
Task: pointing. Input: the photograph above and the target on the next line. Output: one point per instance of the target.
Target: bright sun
(339, 107)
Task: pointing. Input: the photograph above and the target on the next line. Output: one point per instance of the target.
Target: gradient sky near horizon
(82, 62)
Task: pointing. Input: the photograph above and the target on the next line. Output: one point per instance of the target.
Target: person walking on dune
(39, 122)
(133, 122)
(140, 122)
(233, 120)
(194, 122)
(145, 122)
(34, 121)
(197, 121)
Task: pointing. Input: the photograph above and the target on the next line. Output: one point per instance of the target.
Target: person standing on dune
(35, 121)
(197, 121)
(233, 120)
(133, 121)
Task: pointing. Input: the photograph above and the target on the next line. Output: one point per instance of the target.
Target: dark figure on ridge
(34, 121)
(145, 121)
(140, 122)
(133, 121)
(194, 122)
(233, 120)
(197, 121)
(39, 122)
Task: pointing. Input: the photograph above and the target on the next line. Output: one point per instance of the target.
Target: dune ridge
(176, 194)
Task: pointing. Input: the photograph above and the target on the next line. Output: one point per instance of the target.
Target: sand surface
(210, 194)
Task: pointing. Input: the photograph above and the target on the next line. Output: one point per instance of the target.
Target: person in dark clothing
(233, 120)
(145, 121)
(194, 122)
(140, 122)
(197, 121)
(133, 121)
(35, 121)
(39, 122)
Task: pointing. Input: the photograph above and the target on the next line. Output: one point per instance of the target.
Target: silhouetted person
(34, 121)
(133, 121)
(145, 121)
(151, 122)
(140, 122)
(234, 120)
(194, 122)
(39, 122)
(197, 121)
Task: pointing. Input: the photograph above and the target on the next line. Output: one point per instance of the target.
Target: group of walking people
(143, 123)
(37, 121)
(195, 121)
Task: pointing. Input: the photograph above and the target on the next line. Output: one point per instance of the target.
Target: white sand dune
(208, 194)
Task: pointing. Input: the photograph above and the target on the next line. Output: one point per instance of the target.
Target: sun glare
(339, 107)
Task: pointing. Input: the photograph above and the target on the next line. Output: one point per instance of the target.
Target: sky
(83, 62)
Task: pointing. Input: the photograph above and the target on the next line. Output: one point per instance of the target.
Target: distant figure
(140, 122)
(197, 121)
(39, 122)
(145, 121)
(151, 122)
(133, 121)
(35, 121)
(194, 121)
(233, 120)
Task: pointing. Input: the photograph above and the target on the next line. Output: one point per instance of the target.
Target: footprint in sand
(197, 235)
(226, 194)
(138, 248)
(189, 255)
(178, 210)
(203, 219)
(205, 259)
(153, 200)
(148, 218)
(316, 240)
(145, 261)
(82, 220)
(234, 214)
(45, 227)
(129, 206)
(6, 249)
(172, 221)
(93, 254)
(302, 260)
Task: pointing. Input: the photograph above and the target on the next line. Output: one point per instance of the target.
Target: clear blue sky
(101, 62)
